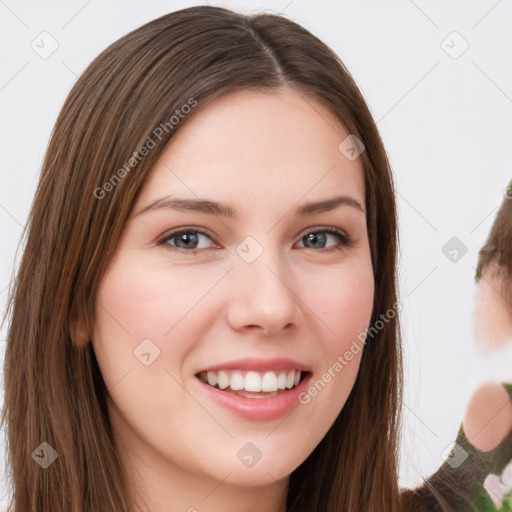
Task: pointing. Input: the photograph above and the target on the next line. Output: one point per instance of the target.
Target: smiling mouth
(252, 384)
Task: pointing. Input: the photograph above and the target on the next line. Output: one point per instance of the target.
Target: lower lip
(257, 409)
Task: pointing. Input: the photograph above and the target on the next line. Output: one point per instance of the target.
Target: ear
(78, 332)
(493, 310)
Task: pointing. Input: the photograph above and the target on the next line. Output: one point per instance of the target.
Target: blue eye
(319, 236)
(188, 239)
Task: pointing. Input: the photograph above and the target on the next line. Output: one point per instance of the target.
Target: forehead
(266, 145)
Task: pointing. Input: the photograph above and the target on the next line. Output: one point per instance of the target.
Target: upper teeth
(252, 381)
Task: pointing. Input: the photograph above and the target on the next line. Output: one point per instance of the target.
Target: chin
(268, 470)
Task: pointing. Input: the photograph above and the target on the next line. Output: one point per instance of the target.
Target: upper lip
(255, 364)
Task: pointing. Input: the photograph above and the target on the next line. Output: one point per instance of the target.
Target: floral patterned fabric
(493, 488)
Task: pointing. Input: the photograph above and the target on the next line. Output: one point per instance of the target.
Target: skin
(493, 309)
(488, 417)
(263, 154)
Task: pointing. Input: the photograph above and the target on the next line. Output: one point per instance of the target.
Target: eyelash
(345, 240)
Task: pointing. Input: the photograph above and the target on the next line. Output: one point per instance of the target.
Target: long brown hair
(54, 391)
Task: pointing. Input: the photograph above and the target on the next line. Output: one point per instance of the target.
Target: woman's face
(262, 291)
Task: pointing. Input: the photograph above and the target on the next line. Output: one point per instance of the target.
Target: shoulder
(488, 417)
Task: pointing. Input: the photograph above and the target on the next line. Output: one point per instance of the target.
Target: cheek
(138, 302)
(150, 301)
(344, 305)
(147, 309)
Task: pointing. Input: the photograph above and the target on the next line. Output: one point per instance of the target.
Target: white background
(446, 123)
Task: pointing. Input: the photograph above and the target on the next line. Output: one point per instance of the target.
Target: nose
(262, 296)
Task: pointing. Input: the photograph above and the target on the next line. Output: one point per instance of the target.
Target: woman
(260, 372)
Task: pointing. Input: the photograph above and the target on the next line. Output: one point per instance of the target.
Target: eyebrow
(208, 207)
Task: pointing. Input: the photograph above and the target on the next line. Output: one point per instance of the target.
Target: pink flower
(498, 486)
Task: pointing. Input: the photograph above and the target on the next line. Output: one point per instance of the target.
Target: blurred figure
(477, 474)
